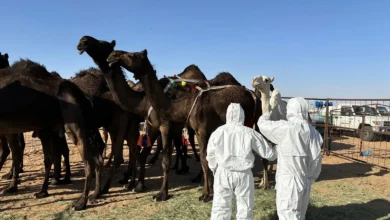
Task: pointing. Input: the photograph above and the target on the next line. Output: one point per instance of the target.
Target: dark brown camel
(206, 115)
(99, 50)
(4, 150)
(62, 147)
(107, 114)
(223, 78)
(34, 99)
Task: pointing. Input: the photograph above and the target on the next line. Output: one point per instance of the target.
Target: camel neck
(265, 101)
(158, 99)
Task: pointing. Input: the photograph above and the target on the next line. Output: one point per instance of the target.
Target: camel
(19, 139)
(278, 106)
(4, 63)
(107, 114)
(99, 51)
(42, 100)
(204, 110)
(263, 86)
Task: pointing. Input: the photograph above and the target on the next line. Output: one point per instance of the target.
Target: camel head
(132, 62)
(4, 61)
(97, 49)
(262, 83)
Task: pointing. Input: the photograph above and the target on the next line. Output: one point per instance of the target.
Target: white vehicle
(347, 117)
(381, 110)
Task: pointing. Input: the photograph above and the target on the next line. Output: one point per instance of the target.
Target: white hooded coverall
(230, 157)
(299, 158)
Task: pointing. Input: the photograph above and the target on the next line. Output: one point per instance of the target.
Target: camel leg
(131, 139)
(65, 154)
(180, 155)
(16, 159)
(117, 146)
(60, 148)
(140, 186)
(4, 151)
(46, 140)
(167, 153)
(75, 110)
(191, 139)
(265, 182)
(112, 153)
(158, 150)
(105, 139)
(207, 175)
(19, 143)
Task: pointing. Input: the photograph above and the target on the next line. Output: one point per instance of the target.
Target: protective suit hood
(235, 114)
(297, 108)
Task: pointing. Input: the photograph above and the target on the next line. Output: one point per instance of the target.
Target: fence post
(326, 147)
(361, 133)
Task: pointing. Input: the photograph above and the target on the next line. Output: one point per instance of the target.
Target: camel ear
(113, 43)
(271, 88)
(6, 56)
(272, 79)
(145, 52)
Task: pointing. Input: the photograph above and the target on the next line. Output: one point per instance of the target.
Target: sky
(336, 49)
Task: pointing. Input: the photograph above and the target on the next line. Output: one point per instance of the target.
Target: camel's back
(214, 103)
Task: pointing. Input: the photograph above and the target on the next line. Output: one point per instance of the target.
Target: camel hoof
(161, 197)
(81, 204)
(93, 201)
(41, 195)
(139, 188)
(131, 185)
(152, 161)
(123, 181)
(66, 181)
(93, 198)
(7, 176)
(205, 198)
(263, 186)
(183, 170)
(196, 180)
(105, 189)
(55, 181)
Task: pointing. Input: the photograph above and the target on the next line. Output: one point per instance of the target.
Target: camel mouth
(81, 51)
(112, 63)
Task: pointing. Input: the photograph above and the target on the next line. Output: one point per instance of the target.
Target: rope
(200, 94)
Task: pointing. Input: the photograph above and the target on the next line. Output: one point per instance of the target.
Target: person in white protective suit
(299, 158)
(230, 158)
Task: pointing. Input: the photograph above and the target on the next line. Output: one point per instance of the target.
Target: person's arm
(315, 169)
(275, 131)
(261, 147)
(210, 157)
(315, 150)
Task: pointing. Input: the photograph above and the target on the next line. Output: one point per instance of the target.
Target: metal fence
(357, 129)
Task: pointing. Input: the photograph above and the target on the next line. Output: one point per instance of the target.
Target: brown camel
(43, 100)
(99, 50)
(107, 114)
(203, 110)
(62, 147)
(4, 63)
(223, 78)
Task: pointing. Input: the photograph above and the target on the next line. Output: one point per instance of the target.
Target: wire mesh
(357, 129)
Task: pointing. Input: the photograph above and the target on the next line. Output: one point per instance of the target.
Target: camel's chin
(81, 51)
(112, 64)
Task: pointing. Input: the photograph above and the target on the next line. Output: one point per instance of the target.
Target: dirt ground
(342, 183)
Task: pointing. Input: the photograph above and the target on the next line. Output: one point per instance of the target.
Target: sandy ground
(335, 170)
